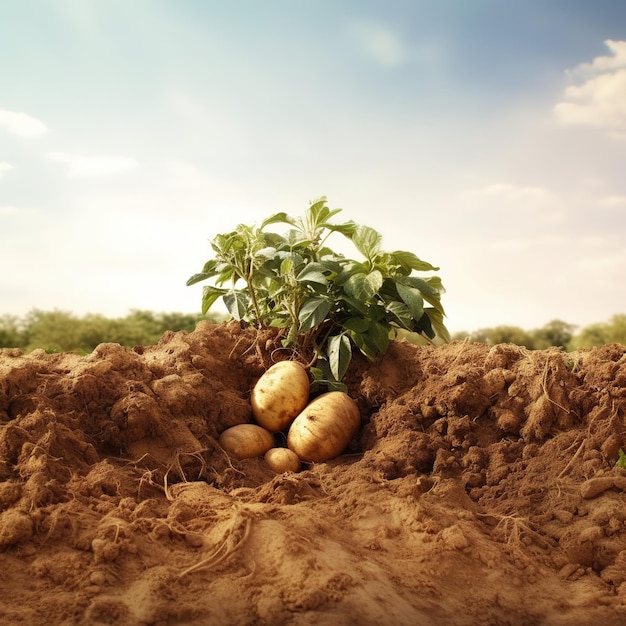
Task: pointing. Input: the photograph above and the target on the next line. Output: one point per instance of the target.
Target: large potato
(246, 441)
(325, 427)
(279, 395)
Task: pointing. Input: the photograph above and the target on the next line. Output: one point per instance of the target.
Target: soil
(482, 488)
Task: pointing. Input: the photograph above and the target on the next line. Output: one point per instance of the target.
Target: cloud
(5, 167)
(87, 166)
(22, 124)
(378, 43)
(613, 202)
(606, 63)
(600, 100)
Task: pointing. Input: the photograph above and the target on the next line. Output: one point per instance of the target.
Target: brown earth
(481, 489)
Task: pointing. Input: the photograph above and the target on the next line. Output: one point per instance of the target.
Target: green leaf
(356, 324)
(400, 313)
(376, 313)
(339, 355)
(374, 341)
(436, 319)
(431, 289)
(435, 283)
(435, 299)
(268, 253)
(621, 461)
(362, 286)
(418, 283)
(347, 228)
(312, 313)
(424, 326)
(237, 304)
(209, 295)
(379, 336)
(287, 266)
(227, 274)
(313, 273)
(210, 267)
(317, 205)
(367, 241)
(351, 306)
(412, 298)
(209, 270)
(410, 261)
(281, 218)
(196, 278)
(331, 267)
(323, 379)
(319, 213)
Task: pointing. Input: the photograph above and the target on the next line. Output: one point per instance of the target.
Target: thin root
(224, 550)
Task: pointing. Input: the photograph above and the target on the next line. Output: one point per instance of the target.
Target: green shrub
(325, 303)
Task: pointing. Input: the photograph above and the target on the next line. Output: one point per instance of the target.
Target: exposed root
(515, 529)
(544, 388)
(562, 487)
(566, 469)
(166, 489)
(235, 538)
(196, 455)
(230, 356)
(147, 479)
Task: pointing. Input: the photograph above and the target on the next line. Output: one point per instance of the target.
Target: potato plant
(327, 305)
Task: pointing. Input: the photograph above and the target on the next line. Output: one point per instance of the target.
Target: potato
(282, 460)
(325, 427)
(246, 441)
(279, 395)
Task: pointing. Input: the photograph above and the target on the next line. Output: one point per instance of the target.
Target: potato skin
(279, 395)
(282, 460)
(246, 441)
(325, 427)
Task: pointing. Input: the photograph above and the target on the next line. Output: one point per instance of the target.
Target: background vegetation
(61, 331)
(554, 333)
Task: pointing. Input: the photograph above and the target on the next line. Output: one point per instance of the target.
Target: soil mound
(482, 488)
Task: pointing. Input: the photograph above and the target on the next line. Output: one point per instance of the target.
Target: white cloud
(87, 166)
(600, 100)
(613, 202)
(379, 43)
(21, 124)
(5, 167)
(606, 63)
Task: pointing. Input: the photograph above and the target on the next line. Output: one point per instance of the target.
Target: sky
(488, 137)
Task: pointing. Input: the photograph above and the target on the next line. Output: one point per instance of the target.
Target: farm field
(482, 488)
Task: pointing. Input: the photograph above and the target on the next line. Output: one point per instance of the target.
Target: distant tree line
(61, 331)
(555, 333)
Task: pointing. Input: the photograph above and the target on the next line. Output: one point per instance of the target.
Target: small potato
(246, 441)
(325, 427)
(282, 460)
(279, 395)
